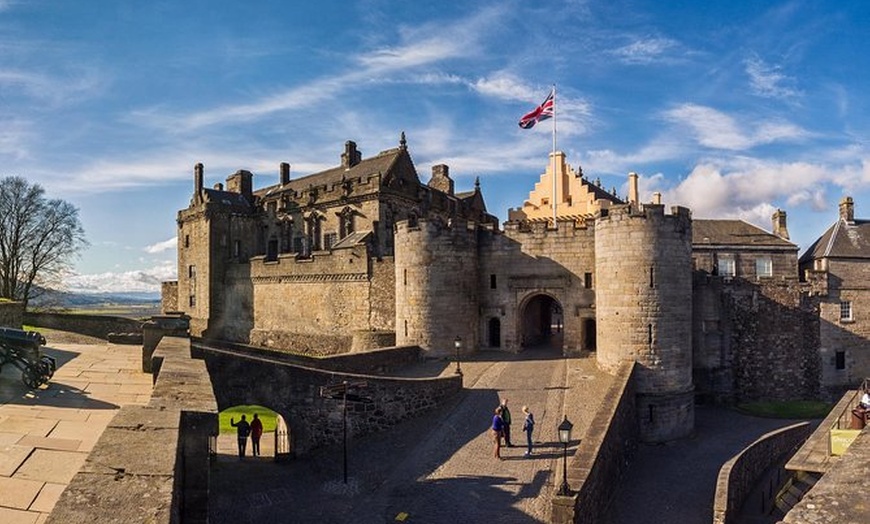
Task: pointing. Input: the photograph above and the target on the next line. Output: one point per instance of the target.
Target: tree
(39, 237)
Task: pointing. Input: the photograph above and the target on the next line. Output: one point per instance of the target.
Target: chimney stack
(284, 171)
(780, 224)
(847, 210)
(441, 179)
(632, 188)
(657, 198)
(197, 178)
(351, 156)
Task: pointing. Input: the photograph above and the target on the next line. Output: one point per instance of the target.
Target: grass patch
(266, 415)
(797, 409)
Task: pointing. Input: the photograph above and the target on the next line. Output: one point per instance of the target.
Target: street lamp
(565, 437)
(457, 344)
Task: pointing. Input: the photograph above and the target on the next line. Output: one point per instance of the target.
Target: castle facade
(365, 255)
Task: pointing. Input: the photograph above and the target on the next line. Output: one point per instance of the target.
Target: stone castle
(366, 255)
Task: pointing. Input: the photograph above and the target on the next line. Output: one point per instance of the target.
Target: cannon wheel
(32, 377)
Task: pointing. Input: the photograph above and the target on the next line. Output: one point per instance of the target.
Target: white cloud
(644, 51)
(767, 81)
(145, 280)
(717, 130)
(160, 247)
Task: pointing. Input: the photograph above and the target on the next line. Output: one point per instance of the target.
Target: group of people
(501, 428)
(244, 429)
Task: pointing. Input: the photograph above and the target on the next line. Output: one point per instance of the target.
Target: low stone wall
(740, 474)
(293, 391)
(368, 340)
(315, 345)
(377, 361)
(603, 455)
(11, 314)
(151, 464)
(92, 325)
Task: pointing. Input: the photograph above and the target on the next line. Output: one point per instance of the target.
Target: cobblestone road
(436, 469)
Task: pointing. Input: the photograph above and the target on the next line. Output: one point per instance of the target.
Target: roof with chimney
(734, 234)
(844, 239)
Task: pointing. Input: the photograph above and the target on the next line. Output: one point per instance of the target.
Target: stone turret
(643, 264)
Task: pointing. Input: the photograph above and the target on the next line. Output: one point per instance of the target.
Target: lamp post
(565, 437)
(457, 344)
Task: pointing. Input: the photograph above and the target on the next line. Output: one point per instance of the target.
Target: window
(191, 272)
(186, 240)
(725, 266)
(845, 310)
(192, 300)
(492, 282)
(272, 250)
(652, 276)
(763, 267)
(237, 248)
(840, 360)
(587, 280)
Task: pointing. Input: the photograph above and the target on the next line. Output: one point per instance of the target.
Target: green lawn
(797, 409)
(266, 415)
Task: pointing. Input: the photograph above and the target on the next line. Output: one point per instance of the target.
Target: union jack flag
(542, 112)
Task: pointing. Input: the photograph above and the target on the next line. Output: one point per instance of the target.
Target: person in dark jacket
(506, 417)
(256, 433)
(528, 427)
(243, 429)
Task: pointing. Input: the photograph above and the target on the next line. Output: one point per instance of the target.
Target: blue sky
(731, 108)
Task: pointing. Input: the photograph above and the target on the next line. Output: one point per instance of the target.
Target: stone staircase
(793, 491)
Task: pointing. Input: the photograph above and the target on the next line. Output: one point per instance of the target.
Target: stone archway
(541, 323)
(275, 442)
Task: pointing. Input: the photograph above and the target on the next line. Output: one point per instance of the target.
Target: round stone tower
(643, 264)
(436, 285)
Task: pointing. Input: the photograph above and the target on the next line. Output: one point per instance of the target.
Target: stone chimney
(351, 156)
(441, 179)
(241, 182)
(847, 210)
(284, 171)
(780, 224)
(657, 198)
(632, 188)
(197, 178)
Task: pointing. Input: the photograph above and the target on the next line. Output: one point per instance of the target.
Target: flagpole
(554, 155)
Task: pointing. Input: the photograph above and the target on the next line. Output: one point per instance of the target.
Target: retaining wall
(738, 476)
(92, 325)
(603, 455)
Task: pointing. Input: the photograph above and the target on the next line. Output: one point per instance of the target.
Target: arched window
(346, 222)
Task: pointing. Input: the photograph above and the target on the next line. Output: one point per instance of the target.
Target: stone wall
(603, 456)
(151, 464)
(11, 314)
(739, 476)
(293, 391)
(774, 341)
(92, 325)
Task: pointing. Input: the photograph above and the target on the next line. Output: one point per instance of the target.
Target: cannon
(22, 349)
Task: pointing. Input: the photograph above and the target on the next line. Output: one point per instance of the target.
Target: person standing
(506, 418)
(256, 433)
(528, 427)
(497, 428)
(243, 429)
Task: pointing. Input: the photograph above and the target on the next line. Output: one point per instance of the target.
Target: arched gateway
(541, 322)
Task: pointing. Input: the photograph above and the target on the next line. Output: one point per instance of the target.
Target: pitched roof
(841, 240)
(380, 163)
(734, 233)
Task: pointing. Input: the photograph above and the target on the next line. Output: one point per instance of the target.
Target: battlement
(648, 211)
(437, 227)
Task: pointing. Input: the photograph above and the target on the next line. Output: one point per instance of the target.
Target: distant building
(837, 269)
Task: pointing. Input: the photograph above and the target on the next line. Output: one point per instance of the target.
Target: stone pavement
(46, 434)
(438, 468)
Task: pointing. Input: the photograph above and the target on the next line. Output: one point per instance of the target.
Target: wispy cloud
(160, 247)
(717, 130)
(144, 280)
(768, 81)
(645, 50)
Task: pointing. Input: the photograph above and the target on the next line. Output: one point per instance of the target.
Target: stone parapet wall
(151, 463)
(738, 476)
(11, 314)
(293, 391)
(603, 456)
(92, 325)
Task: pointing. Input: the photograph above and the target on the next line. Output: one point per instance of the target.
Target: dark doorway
(542, 323)
(589, 334)
(494, 333)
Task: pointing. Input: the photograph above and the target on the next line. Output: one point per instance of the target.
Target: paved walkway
(437, 469)
(46, 434)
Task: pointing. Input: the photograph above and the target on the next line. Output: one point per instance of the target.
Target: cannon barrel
(20, 339)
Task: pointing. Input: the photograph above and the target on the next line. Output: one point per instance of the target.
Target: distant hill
(125, 304)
